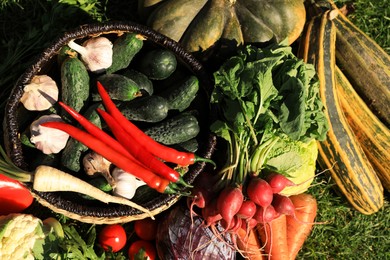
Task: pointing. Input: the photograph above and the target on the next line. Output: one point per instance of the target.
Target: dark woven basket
(100, 213)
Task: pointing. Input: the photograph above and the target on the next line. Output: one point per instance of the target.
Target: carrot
(249, 244)
(299, 227)
(273, 236)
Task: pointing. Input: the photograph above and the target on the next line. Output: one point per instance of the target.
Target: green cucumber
(146, 109)
(75, 83)
(99, 182)
(177, 129)
(143, 82)
(191, 145)
(73, 151)
(119, 87)
(180, 96)
(158, 64)
(124, 48)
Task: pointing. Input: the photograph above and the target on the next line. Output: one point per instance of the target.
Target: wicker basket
(100, 213)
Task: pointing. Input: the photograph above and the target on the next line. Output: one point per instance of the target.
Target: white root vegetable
(49, 179)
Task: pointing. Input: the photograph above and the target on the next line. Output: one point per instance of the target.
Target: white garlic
(126, 183)
(46, 139)
(40, 94)
(96, 53)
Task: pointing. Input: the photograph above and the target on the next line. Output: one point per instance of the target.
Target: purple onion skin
(179, 237)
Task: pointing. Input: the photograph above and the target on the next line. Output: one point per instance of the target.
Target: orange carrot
(248, 243)
(299, 227)
(273, 236)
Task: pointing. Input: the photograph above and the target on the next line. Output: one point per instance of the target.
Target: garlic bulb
(96, 53)
(126, 183)
(40, 94)
(46, 139)
(95, 165)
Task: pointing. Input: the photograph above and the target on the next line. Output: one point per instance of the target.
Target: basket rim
(13, 145)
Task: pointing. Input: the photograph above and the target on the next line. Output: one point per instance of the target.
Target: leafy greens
(267, 97)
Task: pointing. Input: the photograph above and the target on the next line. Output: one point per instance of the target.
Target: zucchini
(372, 134)
(158, 64)
(75, 84)
(150, 109)
(174, 130)
(365, 64)
(144, 83)
(73, 151)
(119, 87)
(180, 96)
(124, 48)
(340, 154)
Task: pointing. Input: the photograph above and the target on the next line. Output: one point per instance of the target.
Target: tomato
(142, 249)
(14, 196)
(146, 229)
(112, 237)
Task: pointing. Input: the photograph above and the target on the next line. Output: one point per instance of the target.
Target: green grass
(28, 26)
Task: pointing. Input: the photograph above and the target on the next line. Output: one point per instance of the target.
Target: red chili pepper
(151, 179)
(95, 130)
(137, 150)
(14, 196)
(163, 152)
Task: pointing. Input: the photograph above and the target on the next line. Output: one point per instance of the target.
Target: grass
(28, 26)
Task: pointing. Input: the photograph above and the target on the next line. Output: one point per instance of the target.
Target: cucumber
(99, 182)
(143, 82)
(71, 154)
(75, 84)
(191, 145)
(180, 96)
(158, 64)
(124, 49)
(177, 129)
(119, 87)
(146, 109)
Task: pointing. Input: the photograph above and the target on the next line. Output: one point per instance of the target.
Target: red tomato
(112, 237)
(146, 229)
(14, 196)
(142, 249)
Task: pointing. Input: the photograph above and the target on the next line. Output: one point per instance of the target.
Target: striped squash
(363, 61)
(372, 134)
(341, 153)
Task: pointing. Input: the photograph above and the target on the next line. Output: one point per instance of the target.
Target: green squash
(200, 24)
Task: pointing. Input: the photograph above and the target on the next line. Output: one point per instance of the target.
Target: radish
(247, 209)
(283, 205)
(260, 192)
(265, 215)
(229, 202)
(278, 182)
(210, 214)
(248, 224)
(234, 225)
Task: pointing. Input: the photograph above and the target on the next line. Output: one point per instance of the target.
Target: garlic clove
(40, 94)
(46, 139)
(126, 183)
(96, 53)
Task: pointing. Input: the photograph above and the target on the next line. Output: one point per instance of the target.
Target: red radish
(283, 205)
(248, 224)
(278, 182)
(234, 225)
(265, 215)
(199, 198)
(229, 202)
(247, 209)
(210, 214)
(260, 192)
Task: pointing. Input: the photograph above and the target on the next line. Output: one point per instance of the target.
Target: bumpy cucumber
(71, 154)
(180, 96)
(75, 83)
(124, 49)
(158, 64)
(119, 87)
(147, 109)
(144, 83)
(178, 129)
